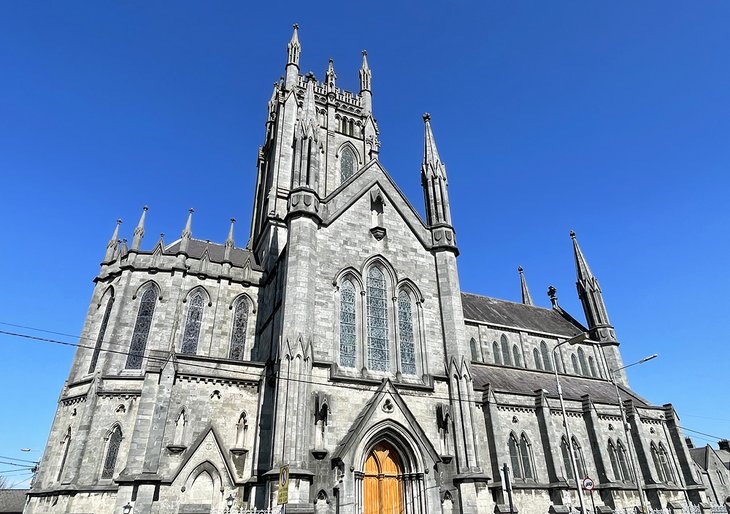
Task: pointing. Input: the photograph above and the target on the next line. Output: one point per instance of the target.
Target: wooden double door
(383, 481)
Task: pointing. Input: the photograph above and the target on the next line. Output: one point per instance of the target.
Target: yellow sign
(283, 485)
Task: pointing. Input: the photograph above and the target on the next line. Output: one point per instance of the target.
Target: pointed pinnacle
(115, 235)
(139, 231)
(430, 152)
(229, 241)
(187, 231)
(365, 60)
(526, 297)
(582, 270)
(295, 34)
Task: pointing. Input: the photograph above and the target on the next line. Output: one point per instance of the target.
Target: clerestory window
(240, 326)
(142, 329)
(193, 322)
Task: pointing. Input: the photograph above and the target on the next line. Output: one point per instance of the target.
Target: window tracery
(192, 324)
(347, 164)
(102, 333)
(405, 330)
(347, 325)
(112, 452)
(377, 309)
(142, 329)
(238, 334)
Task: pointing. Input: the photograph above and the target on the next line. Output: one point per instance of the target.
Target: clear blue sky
(610, 118)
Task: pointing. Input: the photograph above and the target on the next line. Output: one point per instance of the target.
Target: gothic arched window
(240, 326)
(102, 332)
(567, 464)
(66, 443)
(516, 356)
(583, 364)
(657, 463)
(547, 361)
(506, 357)
(347, 325)
(536, 357)
(666, 466)
(578, 454)
(496, 353)
(521, 457)
(622, 461)
(514, 455)
(347, 164)
(574, 361)
(192, 324)
(474, 351)
(112, 452)
(526, 457)
(614, 461)
(142, 329)
(241, 431)
(377, 309)
(592, 366)
(405, 330)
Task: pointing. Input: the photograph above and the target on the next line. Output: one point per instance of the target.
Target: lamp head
(580, 338)
(127, 508)
(229, 501)
(650, 357)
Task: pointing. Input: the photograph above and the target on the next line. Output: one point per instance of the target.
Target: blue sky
(608, 118)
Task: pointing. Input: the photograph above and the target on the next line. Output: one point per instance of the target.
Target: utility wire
(717, 437)
(20, 460)
(18, 465)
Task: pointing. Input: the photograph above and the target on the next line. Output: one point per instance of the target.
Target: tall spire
(230, 243)
(292, 61)
(589, 292)
(187, 233)
(526, 297)
(139, 231)
(113, 244)
(330, 78)
(366, 77)
(433, 179)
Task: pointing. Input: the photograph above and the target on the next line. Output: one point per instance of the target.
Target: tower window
(142, 329)
(102, 332)
(405, 326)
(112, 452)
(240, 325)
(377, 321)
(347, 325)
(347, 164)
(192, 325)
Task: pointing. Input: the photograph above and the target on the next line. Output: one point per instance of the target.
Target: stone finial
(123, 249)
(553, 295)
(139, 231)
(113, 244)
(230, 243)
(526, 297)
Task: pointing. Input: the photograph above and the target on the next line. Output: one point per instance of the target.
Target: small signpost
(589, 485)
(283, 497)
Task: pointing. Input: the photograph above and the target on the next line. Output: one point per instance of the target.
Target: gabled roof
(526, 382)
(520, 316)
(700, 456)
(216, 252)
(12, 500)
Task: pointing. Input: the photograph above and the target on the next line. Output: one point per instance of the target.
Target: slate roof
(526, 381)
(12, 500)
(216, 251)
(700, 456)
(511, 314)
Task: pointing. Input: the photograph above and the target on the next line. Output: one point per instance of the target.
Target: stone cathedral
(338, 342)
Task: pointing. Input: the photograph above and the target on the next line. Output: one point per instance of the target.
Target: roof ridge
(509, 301)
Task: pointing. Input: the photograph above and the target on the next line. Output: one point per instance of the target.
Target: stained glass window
(115, 439)
(623, 462)
(506, 357)
(514, 455)
(614, 461)
(142, 329)
(525, 454)
(405, 327)
(347, 325)
(238, 335)
(497, 354)
(377, 321)
(546, 360)
(102, 332)
(192, 325)
(536, 357)
(516, 356)
(347, 164)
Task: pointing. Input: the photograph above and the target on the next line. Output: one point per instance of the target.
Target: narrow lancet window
(525, 454)
(537, 359)
(516, 356)
(405, 326)
(66, 443)
(347, 325)
(347, 164)
(192, 325)
(506, 357)
(240, 325)
(547, 361)
(102, 333)
(142, 329)
(377, 321)
(112, 452)
(583, 364)
(514, 456)
(497, 354)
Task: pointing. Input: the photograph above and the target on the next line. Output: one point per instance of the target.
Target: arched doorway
(383, 481)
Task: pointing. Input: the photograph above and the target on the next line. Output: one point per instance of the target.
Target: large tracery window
(102, 333)
(238, 335)
(377, 320)
(347, 164)
(520, 457)
(405, 327)
(142, 329)
(112, 452)
(192, 324)
(347, 325)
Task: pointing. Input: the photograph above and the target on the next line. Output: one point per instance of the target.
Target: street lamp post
(634, 469)
(572, 341)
